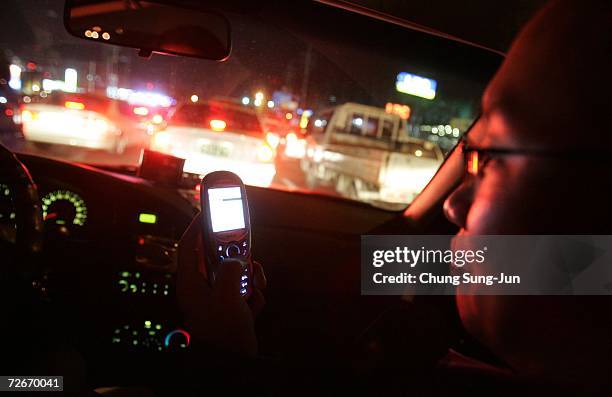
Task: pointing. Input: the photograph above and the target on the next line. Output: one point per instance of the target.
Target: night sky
(351, 65)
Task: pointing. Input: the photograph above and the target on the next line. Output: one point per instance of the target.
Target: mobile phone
(226, 225)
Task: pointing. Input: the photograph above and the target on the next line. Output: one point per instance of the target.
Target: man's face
(535, 102)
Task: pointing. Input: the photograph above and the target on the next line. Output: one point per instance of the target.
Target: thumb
(227, 282)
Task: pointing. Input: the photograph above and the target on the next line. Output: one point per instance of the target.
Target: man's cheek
(484, 217)
(493, 206)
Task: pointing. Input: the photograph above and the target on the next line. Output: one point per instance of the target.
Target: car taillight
(141, 111)
(265, 153)
(217, 125)
(74, 105)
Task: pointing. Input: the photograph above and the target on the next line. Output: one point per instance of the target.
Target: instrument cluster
(64, 211)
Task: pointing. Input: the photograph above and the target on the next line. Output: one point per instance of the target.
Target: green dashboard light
(147, 218)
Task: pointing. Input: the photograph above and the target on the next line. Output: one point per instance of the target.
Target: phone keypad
(232, 250)
(244, 282)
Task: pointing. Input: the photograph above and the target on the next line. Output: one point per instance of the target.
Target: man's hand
(217, 316)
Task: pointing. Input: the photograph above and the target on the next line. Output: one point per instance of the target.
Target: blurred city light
(70, 80)
(412, 84)
(270, 104)
(52, 85)
(144, 98)
(259, 97)
(401, 110)
(194, 98)
(246, 100)
(15, 80)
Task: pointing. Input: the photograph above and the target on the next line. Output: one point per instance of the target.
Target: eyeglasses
(475, 158)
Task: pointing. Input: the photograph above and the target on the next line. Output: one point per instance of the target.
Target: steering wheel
(20, 244)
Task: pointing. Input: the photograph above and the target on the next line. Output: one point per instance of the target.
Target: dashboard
(110, 252)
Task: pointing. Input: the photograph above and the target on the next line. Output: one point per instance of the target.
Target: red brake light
(74, 105)
(218, 125)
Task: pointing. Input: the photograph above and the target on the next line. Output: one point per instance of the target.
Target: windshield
(319, 101)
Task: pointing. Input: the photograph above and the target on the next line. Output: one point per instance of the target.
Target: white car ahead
(75, 120)
(218, 136)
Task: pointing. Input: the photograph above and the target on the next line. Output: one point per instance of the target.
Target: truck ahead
(365, 153)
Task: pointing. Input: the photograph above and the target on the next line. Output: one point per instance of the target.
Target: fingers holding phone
(219, 286)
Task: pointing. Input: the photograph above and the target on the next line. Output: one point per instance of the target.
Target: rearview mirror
(150, 27)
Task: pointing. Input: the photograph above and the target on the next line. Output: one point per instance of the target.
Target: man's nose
(457, 205)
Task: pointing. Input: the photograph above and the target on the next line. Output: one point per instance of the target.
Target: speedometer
(63, 207)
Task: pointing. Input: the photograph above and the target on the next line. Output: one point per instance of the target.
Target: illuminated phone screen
(226, 212)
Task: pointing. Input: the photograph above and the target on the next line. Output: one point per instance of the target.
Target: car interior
(97, 294)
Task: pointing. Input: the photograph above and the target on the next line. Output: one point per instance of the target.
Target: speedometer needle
(51, 215)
